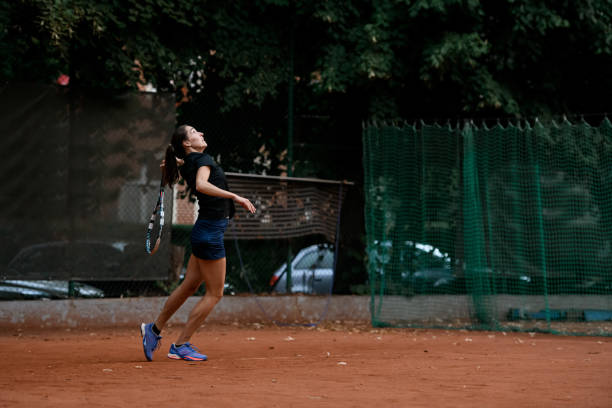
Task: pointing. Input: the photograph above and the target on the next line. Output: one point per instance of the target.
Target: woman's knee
(214, 295)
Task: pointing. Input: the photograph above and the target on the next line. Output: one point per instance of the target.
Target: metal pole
(533, 158)
(290, 132)
(290, 102)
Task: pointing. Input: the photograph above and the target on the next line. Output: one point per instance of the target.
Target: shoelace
(158, 342)
(191, 347)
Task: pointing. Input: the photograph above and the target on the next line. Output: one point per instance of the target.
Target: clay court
(334, 364)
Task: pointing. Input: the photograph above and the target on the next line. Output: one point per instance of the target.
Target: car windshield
(416, 255)
(316, 260)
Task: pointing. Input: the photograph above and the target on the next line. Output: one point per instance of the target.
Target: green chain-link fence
(505, 228)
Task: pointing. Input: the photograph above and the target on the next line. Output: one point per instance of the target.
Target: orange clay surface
(333, 365)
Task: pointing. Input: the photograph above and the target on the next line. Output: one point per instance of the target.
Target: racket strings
(156, 225)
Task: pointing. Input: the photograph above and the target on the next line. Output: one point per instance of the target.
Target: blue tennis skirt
(207, 238)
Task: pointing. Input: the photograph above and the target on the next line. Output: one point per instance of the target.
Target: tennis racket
(156, 223)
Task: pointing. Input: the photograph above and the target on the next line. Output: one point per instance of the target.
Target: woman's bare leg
(213, 274)
(191, 283)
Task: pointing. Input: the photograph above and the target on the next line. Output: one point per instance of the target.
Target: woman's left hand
(245, 203)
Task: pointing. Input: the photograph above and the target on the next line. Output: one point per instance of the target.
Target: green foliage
(462, 56)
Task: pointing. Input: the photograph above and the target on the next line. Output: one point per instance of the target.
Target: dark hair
(175, 149)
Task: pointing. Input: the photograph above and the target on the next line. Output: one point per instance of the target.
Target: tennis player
(207, 262)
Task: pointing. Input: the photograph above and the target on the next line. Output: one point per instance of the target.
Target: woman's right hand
(245, 203)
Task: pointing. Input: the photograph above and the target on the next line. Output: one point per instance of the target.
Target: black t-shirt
(211, 208)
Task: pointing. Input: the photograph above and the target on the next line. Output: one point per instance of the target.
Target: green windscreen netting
(503, 227)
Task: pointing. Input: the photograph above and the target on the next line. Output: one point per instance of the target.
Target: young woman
(207, 262)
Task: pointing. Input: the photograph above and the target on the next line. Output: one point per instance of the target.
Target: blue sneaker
(186, 352)
(150, 340)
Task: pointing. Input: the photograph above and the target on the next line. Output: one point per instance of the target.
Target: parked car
(420, 268)
(429, 270)
(425, 269)
(45, 289)
(53, 259)
(312, 272)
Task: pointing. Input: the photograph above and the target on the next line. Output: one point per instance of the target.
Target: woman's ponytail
(175, 149)
(170, 172)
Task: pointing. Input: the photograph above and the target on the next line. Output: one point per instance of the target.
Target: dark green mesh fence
(505, 228)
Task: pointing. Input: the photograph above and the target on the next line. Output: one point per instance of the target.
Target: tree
(405, 58)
